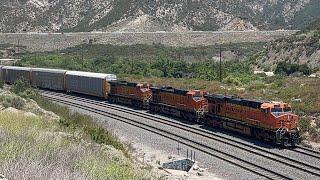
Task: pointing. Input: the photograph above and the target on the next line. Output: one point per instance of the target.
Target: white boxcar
(11, 74)
(48, 78)
(95, 84)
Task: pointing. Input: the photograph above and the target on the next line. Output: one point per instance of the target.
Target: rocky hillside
(300, 48)
(154, 15)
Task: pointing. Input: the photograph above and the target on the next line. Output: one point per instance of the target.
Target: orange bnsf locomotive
(272, 121)
(133, 94)
(190, 105)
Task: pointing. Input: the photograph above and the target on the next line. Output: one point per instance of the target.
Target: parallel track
(307, 151)
(234, 143)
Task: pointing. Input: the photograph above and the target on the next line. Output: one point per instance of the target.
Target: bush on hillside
(24, 89)
(12, 101)
(1, 83)
(287, 68)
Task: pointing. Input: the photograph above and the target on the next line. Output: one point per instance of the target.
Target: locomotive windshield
(197, 96)
(287, 109)
(277, 111)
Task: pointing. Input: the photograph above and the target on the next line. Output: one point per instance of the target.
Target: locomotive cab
(198, 102)
(280, 116)
(144, 92)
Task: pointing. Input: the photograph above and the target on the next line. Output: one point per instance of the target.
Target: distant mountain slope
(301, 48)
(155, 15)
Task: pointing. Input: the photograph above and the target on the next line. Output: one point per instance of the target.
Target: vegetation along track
(234, 143)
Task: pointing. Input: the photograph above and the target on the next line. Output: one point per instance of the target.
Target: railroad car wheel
(187, 116)
(151, 108)
(112, 100)
(257, 134)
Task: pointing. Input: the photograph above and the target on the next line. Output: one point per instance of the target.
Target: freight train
(265, 120)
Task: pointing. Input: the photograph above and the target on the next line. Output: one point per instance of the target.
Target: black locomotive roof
(169, 90)
(123, 83)
(234, 100)
(218, 97)
(181, 91)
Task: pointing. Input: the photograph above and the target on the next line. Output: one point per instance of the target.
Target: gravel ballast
(219, 167)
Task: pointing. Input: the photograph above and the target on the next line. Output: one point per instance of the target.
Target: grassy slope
(73, 148)
(38, 149)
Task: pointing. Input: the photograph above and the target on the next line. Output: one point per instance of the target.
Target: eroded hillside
(300, 48)
(155, 15)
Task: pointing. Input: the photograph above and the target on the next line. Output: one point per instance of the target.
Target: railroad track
(89, 99)
(234, 143)
(307, 151)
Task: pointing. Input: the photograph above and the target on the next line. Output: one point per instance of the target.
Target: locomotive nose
(291, 121)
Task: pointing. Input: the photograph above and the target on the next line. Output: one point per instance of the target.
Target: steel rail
(259, 170)
(314, 170)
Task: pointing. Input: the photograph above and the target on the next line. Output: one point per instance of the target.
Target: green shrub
(74, 120)
(23, 88)
(12, 101)
(304, 124)
(256, 85)
(290, 68)
(232, 80)
(277, 81)
(1, 82)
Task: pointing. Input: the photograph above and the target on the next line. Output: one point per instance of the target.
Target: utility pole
(65, 61)
(82, 56)
(220, 68)
(35, 60)
(132, 63)
(18, 49)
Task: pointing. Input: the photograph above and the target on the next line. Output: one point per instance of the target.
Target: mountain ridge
(154, 15)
